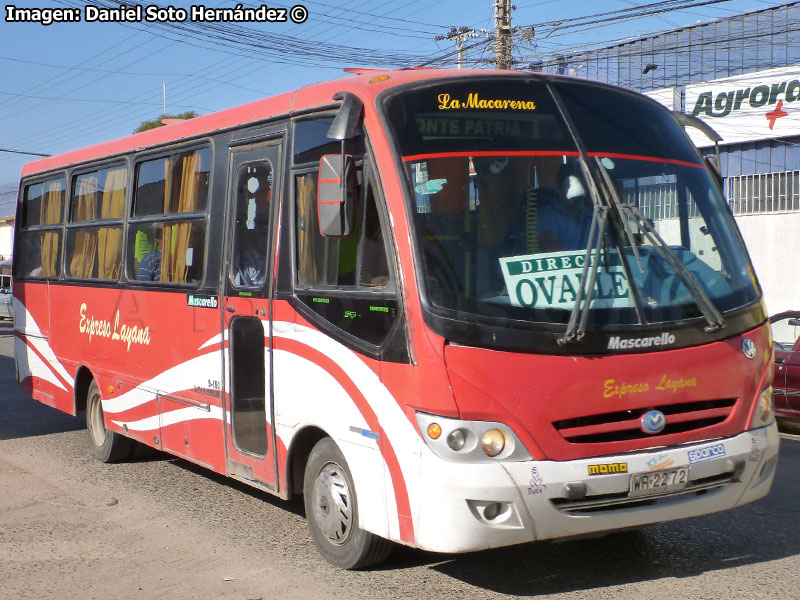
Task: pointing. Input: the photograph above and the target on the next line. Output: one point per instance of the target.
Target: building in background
(6, 242)
(741, 75)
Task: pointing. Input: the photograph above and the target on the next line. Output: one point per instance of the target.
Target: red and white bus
(455, 309)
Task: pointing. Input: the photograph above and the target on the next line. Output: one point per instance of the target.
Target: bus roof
(366, 85)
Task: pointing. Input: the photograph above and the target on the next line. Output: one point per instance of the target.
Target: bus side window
(358, 260)
(345, 281)
(320, 261)
(374, 265)
(40, 235)
(95, 251)
(161, 247)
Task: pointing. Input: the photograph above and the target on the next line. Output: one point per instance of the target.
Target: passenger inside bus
(150, 265)
(250, 261)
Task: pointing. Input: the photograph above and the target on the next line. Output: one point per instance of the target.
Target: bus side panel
(318, 382)
(156, 360)
(41, 374)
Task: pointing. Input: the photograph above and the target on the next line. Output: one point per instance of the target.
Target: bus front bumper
(467, 507)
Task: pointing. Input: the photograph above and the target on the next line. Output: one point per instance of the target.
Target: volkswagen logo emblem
(653, 421)
(749, 348)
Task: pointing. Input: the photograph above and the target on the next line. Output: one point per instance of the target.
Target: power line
(23, 152)
(237, 57)
(276, 46)
(62, 99)
(599, 46)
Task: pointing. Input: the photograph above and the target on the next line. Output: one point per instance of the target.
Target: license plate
(658, 482)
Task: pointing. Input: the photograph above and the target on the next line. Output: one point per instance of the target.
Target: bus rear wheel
(107, 446)
(332, 511)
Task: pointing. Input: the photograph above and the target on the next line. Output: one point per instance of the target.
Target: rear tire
(332, 511)
(107, 446)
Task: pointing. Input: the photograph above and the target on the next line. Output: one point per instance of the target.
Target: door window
(249, 383)
(251, 228)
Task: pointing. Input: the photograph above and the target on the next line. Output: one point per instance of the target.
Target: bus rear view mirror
(336, 195)
(345, 124)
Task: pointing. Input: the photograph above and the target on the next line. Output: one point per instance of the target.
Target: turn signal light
(434, 431)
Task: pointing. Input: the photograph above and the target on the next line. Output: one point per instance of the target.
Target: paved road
(158, 527)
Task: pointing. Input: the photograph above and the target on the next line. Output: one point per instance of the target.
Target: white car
(6, 298)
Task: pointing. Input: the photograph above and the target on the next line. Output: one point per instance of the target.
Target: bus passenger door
(250, 438)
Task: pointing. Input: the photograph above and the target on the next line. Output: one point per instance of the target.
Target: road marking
(790, 436)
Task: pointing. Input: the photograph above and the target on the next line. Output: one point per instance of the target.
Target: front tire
(107, 446)
(332, 511)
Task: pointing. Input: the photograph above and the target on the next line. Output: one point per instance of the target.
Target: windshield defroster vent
(626, 425)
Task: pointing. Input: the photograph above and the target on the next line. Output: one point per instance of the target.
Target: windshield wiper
(577, 329)
(712, 316)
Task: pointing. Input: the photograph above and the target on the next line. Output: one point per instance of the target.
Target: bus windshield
(530, 195)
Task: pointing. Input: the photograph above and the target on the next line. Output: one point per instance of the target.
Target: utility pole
(459, 36)
(502, 36)
(502, 24)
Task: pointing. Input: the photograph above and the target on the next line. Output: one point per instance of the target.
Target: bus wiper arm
(626, 229)
(712, 316)
(576, 328)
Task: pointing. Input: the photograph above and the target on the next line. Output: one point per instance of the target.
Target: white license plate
(658, 482)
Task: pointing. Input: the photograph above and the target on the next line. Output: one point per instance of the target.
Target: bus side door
(254, 175)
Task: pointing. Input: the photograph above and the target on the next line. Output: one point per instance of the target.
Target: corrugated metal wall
(751, 42)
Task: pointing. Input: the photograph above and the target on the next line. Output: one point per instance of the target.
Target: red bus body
(161, 359)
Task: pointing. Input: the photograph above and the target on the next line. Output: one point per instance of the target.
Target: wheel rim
(332, 504)
(97, 425)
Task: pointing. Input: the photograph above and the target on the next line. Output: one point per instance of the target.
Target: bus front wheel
(107, 446)
(332, 511)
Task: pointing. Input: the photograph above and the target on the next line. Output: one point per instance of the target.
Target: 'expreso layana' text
(127, 334)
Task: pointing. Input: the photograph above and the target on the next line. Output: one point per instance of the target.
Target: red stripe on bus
(387, 451)
(491, 153)
(672, 161)
(47, 363)
(330, 181)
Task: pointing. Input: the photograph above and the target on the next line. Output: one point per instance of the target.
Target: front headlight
(764, 410)
(470, 441)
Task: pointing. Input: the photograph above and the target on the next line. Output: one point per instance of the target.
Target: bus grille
(626, 425)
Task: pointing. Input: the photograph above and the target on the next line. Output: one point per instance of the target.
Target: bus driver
(566, 219)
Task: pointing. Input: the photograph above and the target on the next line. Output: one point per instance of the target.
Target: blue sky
(68, 85)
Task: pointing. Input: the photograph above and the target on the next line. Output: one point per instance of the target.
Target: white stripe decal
(176, 379)
(399, 430)
(33, 336)
(34, 365)
(217, 339)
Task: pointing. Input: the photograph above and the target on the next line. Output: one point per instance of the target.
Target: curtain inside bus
(83, 258)
(177, 236)
(51, 215)
(109, 239)
(306, 198)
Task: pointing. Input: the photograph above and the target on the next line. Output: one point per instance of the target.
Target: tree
(159, 121)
